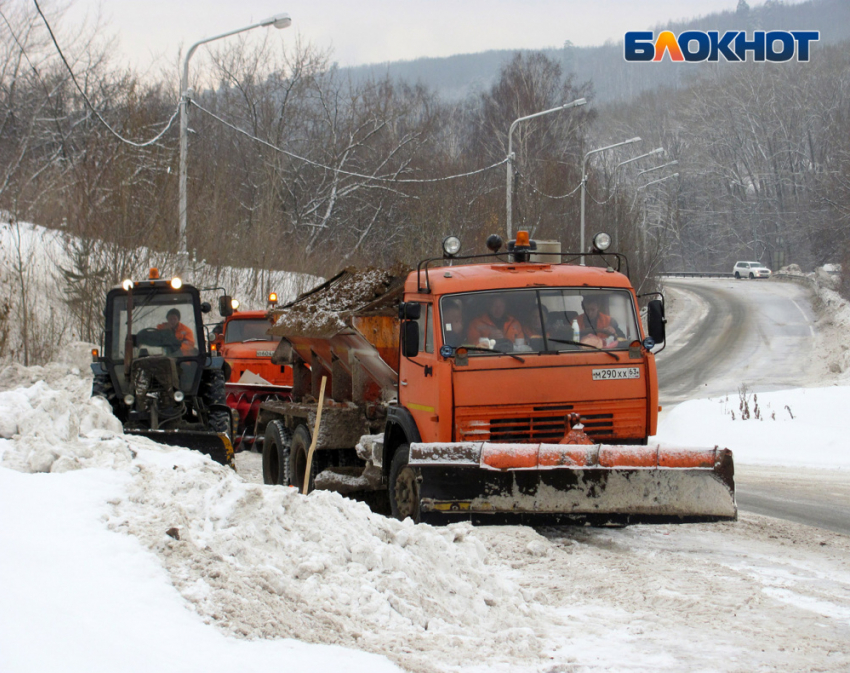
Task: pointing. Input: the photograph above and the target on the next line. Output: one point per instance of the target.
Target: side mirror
(205, 307)
(409, 310)
(409, 339)
(656, 321)
(225, 306)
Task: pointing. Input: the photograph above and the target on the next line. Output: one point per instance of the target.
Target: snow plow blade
(216, 445)
(542, 483)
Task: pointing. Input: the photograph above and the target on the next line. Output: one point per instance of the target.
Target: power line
(339, 170)
(88, 102)
(544, 194)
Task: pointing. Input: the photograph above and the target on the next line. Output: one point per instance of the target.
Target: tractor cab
(155, 368)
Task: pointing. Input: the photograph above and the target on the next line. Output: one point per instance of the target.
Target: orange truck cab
(247, 349)
(502, 384)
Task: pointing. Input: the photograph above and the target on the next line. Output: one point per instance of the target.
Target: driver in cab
(594, 324)
(495, 323)
(180, 331)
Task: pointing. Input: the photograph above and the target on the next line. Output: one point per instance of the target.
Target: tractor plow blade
(557, 482)
(214, 444)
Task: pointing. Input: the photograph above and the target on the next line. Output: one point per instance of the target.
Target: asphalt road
(759, 334)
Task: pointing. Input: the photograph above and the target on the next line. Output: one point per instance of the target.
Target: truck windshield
(248, 330)
(535, 321)
(163, 324)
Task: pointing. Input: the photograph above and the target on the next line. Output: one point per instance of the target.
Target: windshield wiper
(579, 343)
(244, 341)
(493, 350)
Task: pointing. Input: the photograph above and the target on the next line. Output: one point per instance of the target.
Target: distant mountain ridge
(615, 80)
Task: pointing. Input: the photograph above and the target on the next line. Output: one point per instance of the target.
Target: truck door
(418, 389)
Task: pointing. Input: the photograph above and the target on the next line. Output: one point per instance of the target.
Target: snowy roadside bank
(110, 538)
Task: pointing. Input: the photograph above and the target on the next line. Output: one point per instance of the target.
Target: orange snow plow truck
(505, 386)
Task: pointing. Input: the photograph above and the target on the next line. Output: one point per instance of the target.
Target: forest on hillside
(295, 166)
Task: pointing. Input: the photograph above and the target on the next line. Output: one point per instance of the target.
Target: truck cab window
(529, 321)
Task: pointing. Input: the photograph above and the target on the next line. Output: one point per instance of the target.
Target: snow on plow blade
(599, 483)
(216, 445)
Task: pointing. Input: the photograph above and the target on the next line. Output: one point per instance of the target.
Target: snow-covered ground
(121, 554)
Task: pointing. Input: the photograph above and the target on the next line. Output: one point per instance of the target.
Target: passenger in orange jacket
(495, 323)
(181, 332)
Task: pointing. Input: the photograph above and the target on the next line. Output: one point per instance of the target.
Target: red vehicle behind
(247, 349)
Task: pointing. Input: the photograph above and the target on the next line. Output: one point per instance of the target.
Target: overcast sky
(376, 31)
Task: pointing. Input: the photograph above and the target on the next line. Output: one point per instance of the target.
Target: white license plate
(612, 373)
(265, 354)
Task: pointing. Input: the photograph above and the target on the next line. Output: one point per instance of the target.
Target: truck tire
(214, 396)
(403, 487)
(276, 454)
(298, 451)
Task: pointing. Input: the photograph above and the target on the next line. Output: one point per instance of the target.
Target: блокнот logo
(693, 46)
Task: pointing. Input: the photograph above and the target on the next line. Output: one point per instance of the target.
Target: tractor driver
(596, 323)
(495, 323)
(181, 332)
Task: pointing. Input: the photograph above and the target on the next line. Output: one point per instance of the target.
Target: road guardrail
(695, 274)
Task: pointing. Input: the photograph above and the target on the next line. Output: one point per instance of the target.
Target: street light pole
(658, 168)
(279, 21)
(649, 184)
(584, 182)
(576, 103)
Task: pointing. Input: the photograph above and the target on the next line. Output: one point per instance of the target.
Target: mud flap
(554, 483)
(216, 445)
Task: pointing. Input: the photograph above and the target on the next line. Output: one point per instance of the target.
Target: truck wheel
(276, 454)
(403, 487)
(298, 451)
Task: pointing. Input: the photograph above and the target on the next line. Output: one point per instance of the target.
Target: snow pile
(805, 427)
(266, 562)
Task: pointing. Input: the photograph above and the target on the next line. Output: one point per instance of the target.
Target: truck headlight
(178, 396)
(129, 399)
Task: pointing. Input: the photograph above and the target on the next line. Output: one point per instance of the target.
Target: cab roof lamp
(234, 304)
(154, 273)
(522, 240)
(127, 284)
(451, 246)
(601, 242)
(176, 283)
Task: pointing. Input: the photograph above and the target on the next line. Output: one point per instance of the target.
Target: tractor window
(248, 330)
(523, 321)
(163, 324)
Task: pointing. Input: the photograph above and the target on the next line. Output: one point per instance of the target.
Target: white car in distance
(750, 270)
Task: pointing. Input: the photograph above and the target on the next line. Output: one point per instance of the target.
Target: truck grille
(546, 425)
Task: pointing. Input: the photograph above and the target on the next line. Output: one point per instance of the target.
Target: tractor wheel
(403, 487)
(276, 454)
(299, 449)
(214, 396)
(102, 387)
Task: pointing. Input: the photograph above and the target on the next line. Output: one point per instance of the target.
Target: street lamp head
(279, 21)
(633, 140)
(658, 150)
